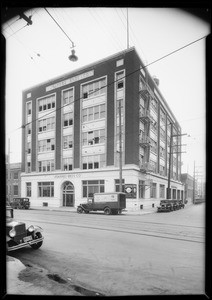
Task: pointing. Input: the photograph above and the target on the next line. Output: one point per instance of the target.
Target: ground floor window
(178, 194)
(174, 194)
(28, 189)
(153, 193)
(46, 189)
(117, 189)
(90, 187)
(162, 191)
(15, 190)
(141, 189)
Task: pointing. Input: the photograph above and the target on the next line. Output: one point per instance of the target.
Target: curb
(126, 212)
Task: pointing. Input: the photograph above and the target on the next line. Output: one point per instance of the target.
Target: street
(151, 254)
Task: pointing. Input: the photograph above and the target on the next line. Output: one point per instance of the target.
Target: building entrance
(68, 194)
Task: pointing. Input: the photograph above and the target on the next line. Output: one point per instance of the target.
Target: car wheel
(79, 210)
(39, 244)
(107, 211)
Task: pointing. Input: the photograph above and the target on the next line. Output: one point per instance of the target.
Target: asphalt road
(152, 254)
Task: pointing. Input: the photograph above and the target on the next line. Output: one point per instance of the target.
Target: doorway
(68, 194)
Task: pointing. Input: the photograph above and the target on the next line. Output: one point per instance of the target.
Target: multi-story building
(71, 136)
(13, 182)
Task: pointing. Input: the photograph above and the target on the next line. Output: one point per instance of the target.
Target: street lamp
(73, 57)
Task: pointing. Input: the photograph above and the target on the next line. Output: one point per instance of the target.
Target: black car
(18, 235)
(20, 202)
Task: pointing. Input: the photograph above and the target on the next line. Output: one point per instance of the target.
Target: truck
(110, 203)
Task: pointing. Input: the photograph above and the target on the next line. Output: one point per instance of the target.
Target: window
(67, 164)
(93, 161)
(29, 129)
(154, 105)
(28, 189)
(67, 142)
(68, 96)
(120, 80)
(119, 62)
(162, 170)
(153, 146)
(93, 113)
(162, 191)
(15, 175)
(46, 145)
(46, 103)
(46, 124)
(94, 88)
(154, 126)
(28, 167)
(46, 166)
(93, 137)
(141, 189)
(117, 188)
(29, 108)
(162, 135)
(46, 189)
(162, 117)
(153, 190)
(68, 119)
(162, 152)
(153, 165)
(92, 186)
(29, 147)
(15, 190)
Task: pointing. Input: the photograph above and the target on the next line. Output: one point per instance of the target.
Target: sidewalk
(127, 211)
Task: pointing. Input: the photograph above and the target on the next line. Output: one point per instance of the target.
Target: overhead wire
(59, 27)
(114, 81)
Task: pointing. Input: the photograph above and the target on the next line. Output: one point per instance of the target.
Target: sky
(39, 52)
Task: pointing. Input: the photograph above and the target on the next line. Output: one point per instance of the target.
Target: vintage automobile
(20, 203)
(165, 206)
(19, 236)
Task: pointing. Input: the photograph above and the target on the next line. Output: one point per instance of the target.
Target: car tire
(39, 244)
(107, 211)
(79, 210)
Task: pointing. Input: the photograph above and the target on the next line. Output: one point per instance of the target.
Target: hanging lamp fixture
(73, 56)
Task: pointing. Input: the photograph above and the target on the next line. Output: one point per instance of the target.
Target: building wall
(122, 83)
(13, 181)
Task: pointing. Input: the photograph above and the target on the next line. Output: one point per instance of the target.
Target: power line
(60, 27)
(127, 75)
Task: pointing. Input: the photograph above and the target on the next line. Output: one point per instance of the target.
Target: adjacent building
(13, 182)
(73, 126)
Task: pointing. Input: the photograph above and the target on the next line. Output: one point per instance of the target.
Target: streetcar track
(103, 217)
(118, 230)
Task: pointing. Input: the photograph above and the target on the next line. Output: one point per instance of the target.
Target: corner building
(70, 136)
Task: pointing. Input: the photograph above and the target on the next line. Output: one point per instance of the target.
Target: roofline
(81, 68)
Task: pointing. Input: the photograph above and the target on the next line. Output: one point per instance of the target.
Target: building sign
(130, 190)
(69, 80)
(67, 176)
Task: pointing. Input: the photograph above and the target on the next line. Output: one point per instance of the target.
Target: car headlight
(12, 232)
(31, 228)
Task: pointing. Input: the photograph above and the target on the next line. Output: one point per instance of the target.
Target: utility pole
(170, 157)
(120, 149)
(8, 171)
(127, 31)
(194, 185)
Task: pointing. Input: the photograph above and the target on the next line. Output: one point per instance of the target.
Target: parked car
(20, 203)
(165, 205)
(18, 235)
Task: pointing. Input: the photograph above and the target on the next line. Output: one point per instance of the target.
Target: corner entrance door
(68, 194)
